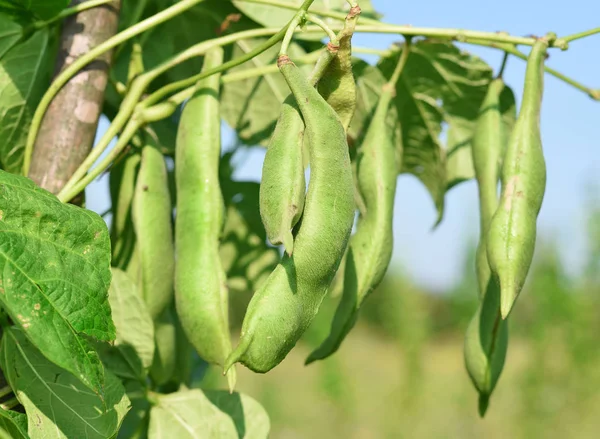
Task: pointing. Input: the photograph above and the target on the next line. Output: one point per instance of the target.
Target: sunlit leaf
(57, 404)
(193, 414)
(54, 275)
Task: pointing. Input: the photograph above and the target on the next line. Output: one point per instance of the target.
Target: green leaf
(15, 424)
(252, 106)
(43, 9)
(439, 84)
(24, 75)
(192, 414)
(272, 16)
(56, 402)
(131, 317)
(10, 33)
(54, 275)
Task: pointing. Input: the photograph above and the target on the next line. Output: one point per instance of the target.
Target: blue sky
(570, 133)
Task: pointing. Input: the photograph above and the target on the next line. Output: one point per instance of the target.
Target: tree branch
(69, 126)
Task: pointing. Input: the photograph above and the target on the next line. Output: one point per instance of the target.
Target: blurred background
(400, 372)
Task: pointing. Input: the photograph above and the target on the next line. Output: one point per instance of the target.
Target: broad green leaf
(131, 317)
(24, 75)
(252, 106)
(43, 9)
(57, 404)
(10, 33)
(54, 275)
(193, 414)
(122, 361)
(460, 133)
(438, 84)
(272, 16)
(14, 423)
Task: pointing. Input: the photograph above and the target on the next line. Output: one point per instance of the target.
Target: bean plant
(105, 329)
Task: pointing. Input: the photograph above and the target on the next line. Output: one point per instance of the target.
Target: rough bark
(69, 126)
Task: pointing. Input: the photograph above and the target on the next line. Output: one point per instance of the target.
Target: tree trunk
(69, 126)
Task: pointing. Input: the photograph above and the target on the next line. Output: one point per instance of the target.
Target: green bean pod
(283, 187)
(122, 188)
(370, 248)
(338, 86)
(284, 306)
(486, 343)
(200, 281)
(486, 339)
(487, 148)
(512, 233)
(152, 220)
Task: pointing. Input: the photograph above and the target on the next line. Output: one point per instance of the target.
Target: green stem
(84, 60)
(9, 404)
(579, 86)
(316, 20)
(580, 35)
(503, 65)
(371, 51)
(5, 391)
(298, 19)
(265, 70)
(401, 63)
(70, 191)
(70, 11)
(141, 83)
(161, 93)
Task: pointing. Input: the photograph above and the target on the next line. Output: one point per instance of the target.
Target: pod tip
(507, 300)
(288, 242)
(484, 402)
(231, 378)
(310, 359)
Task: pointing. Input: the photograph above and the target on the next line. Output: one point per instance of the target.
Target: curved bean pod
(282, 309)
(486, 339)
(512, 233)
(282, 185)
(370, 248)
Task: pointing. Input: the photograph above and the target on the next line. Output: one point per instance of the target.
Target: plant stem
(579, 86)
(70, 11)
(316, 20)
(298, 19)
(141, 83)
(455, 34)
(9, 404)
(84, 60)
(371, 51)
(503, 65)
(265, 70)
(580, 35)
(401, 63)
(71, 191)
(199, 49)
(5, 391)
